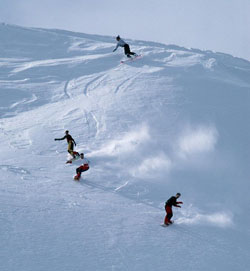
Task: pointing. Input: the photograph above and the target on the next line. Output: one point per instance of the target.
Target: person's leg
(71, 149)
(127, 50)
(78, 173)
(76, 153)
(166, 220)
(85, 168)
(168, 215)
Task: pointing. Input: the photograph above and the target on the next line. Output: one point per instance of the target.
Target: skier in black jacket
(168, 207)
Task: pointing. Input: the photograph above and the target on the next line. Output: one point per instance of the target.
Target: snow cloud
(216, 219)
(197, 140)
(219, 219)
(151, 165)
(128, 143)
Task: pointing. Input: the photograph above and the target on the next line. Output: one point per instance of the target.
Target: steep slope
(174, 121)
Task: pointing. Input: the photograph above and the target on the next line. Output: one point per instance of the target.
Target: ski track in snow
(95, 82)
(14, 169)
(126, 83)
(93, 124)
(66, 93)
(120, 187)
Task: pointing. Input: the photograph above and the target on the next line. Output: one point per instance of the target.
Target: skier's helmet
(118, 37)
(66, 132)
(178, 194)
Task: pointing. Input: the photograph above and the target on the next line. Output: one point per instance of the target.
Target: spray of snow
(152, 165)
(197, 140)
(193, 216)
(127, 144)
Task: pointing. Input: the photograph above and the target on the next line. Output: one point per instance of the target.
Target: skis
(131, 59)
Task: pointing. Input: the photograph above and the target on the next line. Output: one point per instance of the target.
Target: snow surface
(176, 120)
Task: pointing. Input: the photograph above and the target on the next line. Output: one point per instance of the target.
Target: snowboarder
(83, 167)
(168, 207)
(122, 43)
(71, 143)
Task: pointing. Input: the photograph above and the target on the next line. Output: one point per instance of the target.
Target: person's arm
(86, 161)
(116, 47)
(176, 204)
(73, 141)
(60, 138)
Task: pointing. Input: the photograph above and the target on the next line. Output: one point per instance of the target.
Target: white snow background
(176, 120)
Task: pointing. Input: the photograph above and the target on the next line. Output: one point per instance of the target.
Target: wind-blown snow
(198, 140)
(176, 120)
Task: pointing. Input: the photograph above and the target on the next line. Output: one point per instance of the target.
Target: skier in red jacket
(168, 207)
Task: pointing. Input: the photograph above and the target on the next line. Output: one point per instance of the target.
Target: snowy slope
(176, 120)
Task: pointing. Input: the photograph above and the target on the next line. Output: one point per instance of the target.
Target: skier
(71, 143)
(83, 167)
(123, 44)
(168, 207)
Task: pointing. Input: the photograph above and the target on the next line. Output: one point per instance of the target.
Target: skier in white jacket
(122, 43)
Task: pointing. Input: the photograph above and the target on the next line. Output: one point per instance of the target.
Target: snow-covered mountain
(176, 120)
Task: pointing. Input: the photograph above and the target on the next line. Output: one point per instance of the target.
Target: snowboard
(165, 226)
(131, 59)
(77, 178)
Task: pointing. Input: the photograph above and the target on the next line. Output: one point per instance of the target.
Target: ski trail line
(87, 86)
(66, 89)
(129, 81)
